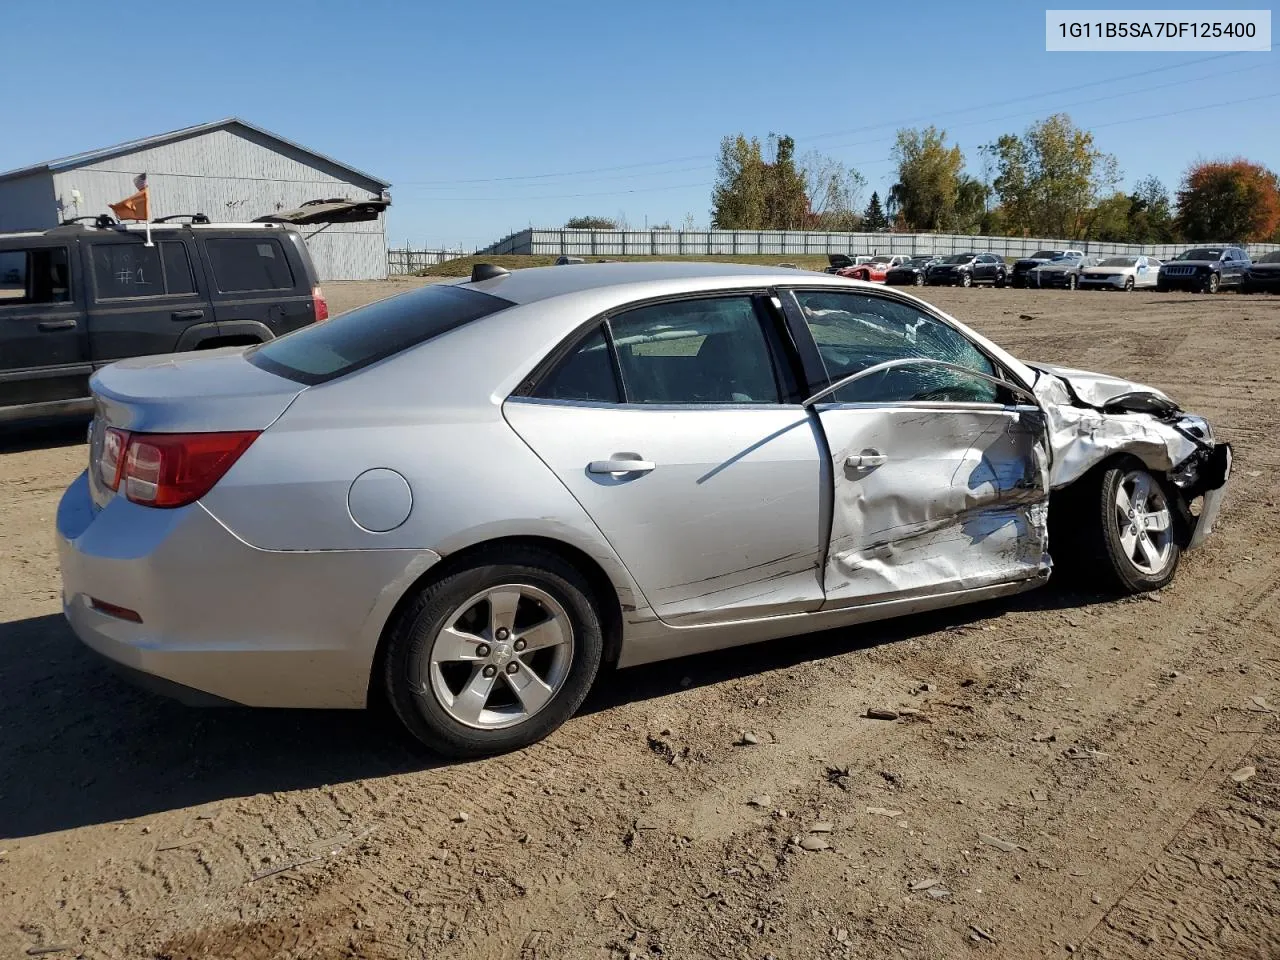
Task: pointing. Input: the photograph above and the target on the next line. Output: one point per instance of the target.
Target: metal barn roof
(105, 153)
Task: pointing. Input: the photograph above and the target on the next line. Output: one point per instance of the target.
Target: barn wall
(27, 203)
(234, 175)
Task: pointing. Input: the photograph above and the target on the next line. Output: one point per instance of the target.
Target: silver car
(1120, 273)
(469, 499)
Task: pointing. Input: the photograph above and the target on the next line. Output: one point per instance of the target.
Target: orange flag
(136, 207)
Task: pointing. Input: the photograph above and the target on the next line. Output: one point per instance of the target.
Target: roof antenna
(488, 271)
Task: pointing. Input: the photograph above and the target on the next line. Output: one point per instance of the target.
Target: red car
(874, 269)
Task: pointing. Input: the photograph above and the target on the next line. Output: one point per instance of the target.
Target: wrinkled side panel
(959, 501)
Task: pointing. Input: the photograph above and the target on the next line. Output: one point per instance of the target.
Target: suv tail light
(321, 304)
(169, 469)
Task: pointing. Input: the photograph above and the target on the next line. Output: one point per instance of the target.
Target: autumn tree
(1233, 201)
(591, 223)
(873, 218)
(924, 196)
(1051, 178)
(832, 191)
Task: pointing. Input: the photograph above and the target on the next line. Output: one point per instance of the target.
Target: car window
(243, 264)
(320, 352)
(708, 350)
(177, 267)
(586, 373)
(36, 275)
(855, 331)
(123, 270)
(130, 269)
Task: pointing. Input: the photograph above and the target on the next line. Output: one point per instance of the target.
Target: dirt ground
(1066, 787)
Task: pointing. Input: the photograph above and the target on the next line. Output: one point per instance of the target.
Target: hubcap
(501, 657)
(1146, 527)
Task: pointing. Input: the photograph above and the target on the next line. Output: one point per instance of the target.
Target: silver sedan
(469, 499)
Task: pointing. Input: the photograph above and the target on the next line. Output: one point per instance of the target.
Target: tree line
(1049, 181)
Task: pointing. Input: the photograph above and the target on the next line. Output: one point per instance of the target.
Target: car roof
(531, 284)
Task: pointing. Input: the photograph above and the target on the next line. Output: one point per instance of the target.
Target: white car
(1120, 273)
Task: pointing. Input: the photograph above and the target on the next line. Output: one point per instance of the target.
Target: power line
(819, 136)
(703, 183)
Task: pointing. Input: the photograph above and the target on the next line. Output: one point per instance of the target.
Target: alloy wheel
(1144, 522)
(500, 657)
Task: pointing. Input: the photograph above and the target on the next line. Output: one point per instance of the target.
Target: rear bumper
(223, 620)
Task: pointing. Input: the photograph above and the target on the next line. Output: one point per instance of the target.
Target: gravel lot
(1066, 786)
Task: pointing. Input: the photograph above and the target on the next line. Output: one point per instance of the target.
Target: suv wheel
(1071, 282)
(1211, 284)
(495, 656)
(966, 280)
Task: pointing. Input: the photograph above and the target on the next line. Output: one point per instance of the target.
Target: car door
(144, 297)
(939, 460)
(987, 264)
(1238, 265)
(677, 426)
(43, 339)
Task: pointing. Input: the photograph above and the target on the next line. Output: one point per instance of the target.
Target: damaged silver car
(468, 499)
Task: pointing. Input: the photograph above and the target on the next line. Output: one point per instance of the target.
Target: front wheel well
(602, 589)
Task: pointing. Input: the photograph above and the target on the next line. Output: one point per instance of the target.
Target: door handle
(866, 460)
(47, 325)
(621, 465)
(187, 315)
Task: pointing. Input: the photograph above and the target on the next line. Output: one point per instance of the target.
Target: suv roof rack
(98, 220)
(193, 217)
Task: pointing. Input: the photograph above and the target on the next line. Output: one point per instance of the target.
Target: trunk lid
(202, 392)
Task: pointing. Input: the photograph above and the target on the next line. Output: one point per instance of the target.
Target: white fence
(784, 243)
(406, 260)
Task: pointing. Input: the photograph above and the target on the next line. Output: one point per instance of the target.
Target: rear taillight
(170, 469)
(321, 304)
(114, 443)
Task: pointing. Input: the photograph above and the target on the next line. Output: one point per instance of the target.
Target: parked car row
(1201, 269)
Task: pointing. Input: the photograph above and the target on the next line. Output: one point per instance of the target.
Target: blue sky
(489, 118)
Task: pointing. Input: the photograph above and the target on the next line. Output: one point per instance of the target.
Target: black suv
(1206, 269)
(80, 296)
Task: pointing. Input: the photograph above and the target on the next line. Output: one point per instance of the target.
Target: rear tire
(1091, 546)
(450, 639)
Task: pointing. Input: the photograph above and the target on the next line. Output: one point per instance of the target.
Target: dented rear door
(940, 477)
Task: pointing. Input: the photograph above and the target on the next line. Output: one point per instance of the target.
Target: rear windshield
(333, 348)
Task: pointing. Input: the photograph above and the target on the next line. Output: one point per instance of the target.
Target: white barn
(229, 170)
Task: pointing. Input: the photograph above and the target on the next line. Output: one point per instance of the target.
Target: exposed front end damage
(1093, 417)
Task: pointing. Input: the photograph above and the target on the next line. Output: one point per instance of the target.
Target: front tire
(1212, 284)
(494, 656)
(919, 279)
(1128, 284)
(966, 280)
(1117, 528)
(1000, 280)
(1072, 282)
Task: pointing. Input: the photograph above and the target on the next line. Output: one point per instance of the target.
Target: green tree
(1233, 201)
(738, 198)
(785, 200)
(1109, 220)
(971, 205)
(755, 193)
(873, 218)
(591, 223)
(928, 179)
(1151, 213)
(1051, 178)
